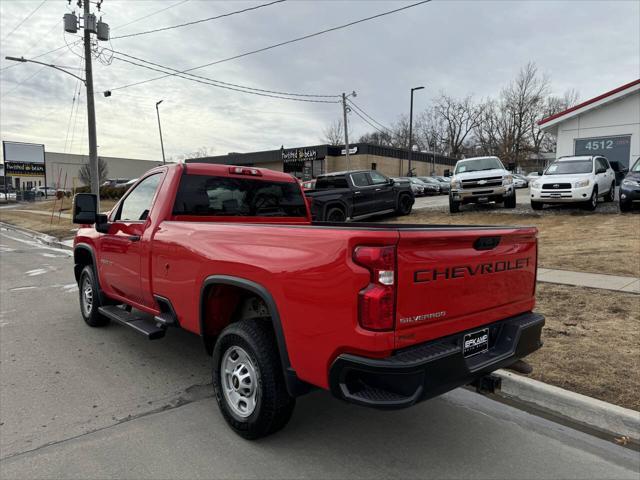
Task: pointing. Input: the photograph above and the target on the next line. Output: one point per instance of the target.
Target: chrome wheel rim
(87, 296)
(239, 381)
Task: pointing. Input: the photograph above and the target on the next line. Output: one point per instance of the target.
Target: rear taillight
(376, 302)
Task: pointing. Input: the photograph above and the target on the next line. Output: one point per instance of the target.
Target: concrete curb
(41, 237)
(612, 419)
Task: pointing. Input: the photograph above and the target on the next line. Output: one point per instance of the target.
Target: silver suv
(481, 180)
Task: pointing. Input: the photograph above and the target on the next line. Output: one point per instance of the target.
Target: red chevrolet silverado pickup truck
(382, 315)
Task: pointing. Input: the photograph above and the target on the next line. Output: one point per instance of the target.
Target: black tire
(336, 214)
(273, 404)
(592, 203)
(625, 206)
(404, 205)
(536, 205)
(510, 201)
(90, 298)
(454, 207)
(611, 194)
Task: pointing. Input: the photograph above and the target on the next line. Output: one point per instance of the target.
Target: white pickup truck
(481, 180)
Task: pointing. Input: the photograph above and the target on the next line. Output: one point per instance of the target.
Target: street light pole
(91, 108)
(409, 173)
(160, 130)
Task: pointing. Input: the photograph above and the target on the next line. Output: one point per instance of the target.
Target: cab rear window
(224, 196)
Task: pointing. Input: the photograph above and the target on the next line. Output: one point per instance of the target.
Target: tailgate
(450, 280)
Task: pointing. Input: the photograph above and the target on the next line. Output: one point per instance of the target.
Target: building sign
(20, 169)
(352, 151)
(23, 159)
(614, 149)
(298, 154)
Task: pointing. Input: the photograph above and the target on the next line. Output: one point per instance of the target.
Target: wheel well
(81, 258)
(334, 205)
(225, 304)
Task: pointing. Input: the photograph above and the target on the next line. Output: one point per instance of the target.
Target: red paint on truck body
(309, 271)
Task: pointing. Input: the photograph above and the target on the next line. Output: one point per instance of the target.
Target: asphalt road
(77, 402)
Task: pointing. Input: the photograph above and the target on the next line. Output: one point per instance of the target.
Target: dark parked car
(358, 194)
(630, 188)
(443, 187)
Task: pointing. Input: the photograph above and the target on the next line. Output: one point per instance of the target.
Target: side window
(137, 204)
(360, 179)
(600, 163)
(378, 178)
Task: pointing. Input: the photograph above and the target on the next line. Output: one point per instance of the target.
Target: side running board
(150, 328)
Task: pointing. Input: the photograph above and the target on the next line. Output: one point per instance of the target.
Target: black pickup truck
(358, 194)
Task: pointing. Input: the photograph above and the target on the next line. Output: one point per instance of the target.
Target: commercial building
(30, 165)
(607, 125)
(309, 162)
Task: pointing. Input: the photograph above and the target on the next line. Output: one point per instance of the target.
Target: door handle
(134, 238)
(378, 189)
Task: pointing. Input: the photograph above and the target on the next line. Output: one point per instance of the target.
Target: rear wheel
(248, 380)
(611, 194)
(336, 214)
(454, 207)
(510, 201)
(536, 205)
(592, 203)
(404, 205)
(90, 299)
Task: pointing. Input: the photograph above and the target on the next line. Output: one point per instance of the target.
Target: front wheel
(592, 203)
(611, 194)
(625, 206)
(404, 205)
(248, 380)
(536, 205)
(510, 201)
(90, 299)
(454, 207)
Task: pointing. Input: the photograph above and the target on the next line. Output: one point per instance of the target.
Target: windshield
(636, 166)
(569, 167)
(479, 164)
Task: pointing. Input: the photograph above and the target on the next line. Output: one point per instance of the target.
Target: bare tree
(199, 153)
(459, 117)
(333, 134)
(542, 142)
(84, 174)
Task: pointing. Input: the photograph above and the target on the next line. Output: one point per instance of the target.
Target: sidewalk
(591, 280)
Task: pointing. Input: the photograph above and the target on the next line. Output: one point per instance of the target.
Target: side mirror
(447, 173)
(391, 181)
(85, 208)
(540, 173)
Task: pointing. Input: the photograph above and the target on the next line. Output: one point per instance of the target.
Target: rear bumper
(424, 371)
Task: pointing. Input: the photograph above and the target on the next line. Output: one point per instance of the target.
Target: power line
(275, 92)
(24, 20)
(369, 123)
(353, 104)
(162, 29)
(298, 39)
(76, 94)
(207, 82)
(151, 14)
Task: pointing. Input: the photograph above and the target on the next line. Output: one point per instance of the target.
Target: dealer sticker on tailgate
(475, 342)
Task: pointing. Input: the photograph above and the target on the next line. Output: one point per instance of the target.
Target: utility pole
(160, 129)
(409, 173)
(345, 110)
(91, 109)
(346, 130)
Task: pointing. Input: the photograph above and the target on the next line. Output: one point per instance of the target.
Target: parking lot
(82, 403)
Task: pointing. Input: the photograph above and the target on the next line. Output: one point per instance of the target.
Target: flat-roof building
(309, 162)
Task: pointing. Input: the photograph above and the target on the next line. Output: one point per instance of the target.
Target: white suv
(575, 180)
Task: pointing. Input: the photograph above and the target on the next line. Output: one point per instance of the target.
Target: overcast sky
(459, 47)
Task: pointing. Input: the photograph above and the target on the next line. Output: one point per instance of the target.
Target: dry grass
(591, 343)
(55, 225)
(597, 243)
